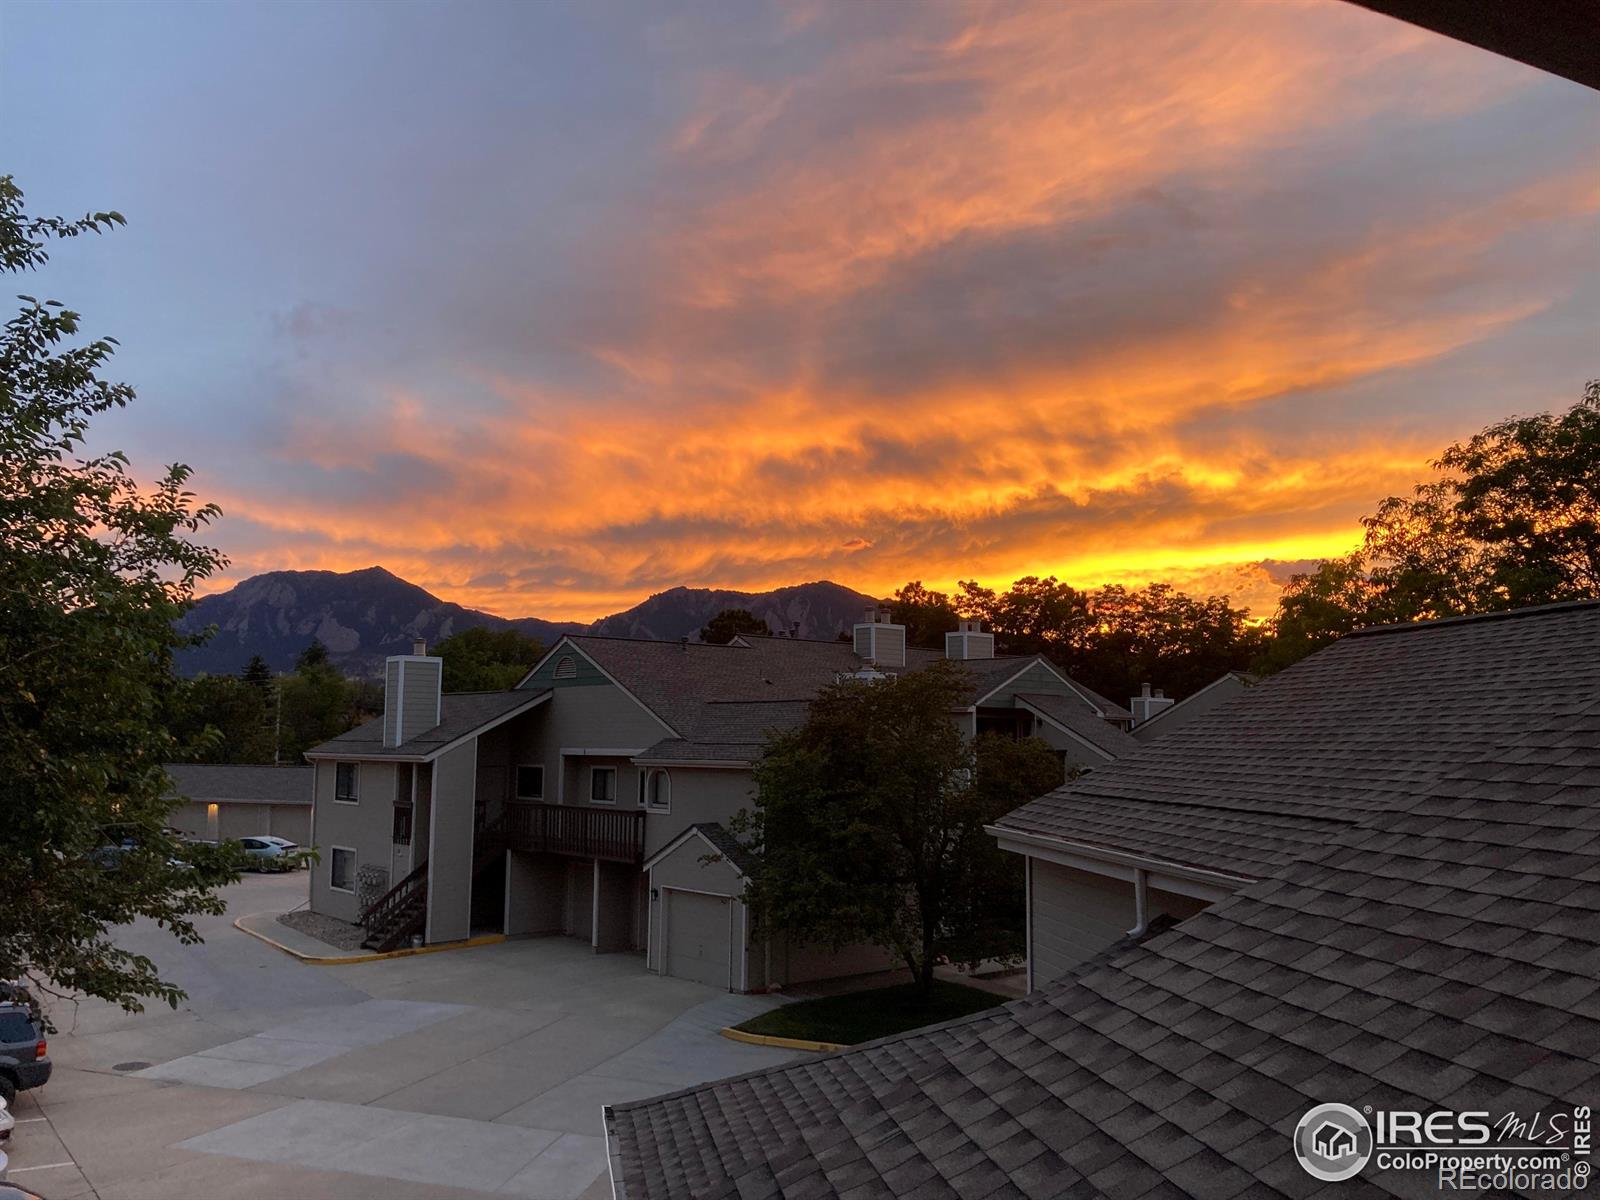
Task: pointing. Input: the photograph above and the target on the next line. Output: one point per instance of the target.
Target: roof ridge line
(1499, 614)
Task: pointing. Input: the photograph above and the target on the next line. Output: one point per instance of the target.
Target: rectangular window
(342, 869)
(346, 778)
(603, 785)
(642, 774)
(530, 783)
(402, 824)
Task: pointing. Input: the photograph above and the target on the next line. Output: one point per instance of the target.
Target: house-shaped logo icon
(1333, 1141)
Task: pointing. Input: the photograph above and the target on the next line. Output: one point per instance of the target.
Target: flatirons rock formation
(361, 616)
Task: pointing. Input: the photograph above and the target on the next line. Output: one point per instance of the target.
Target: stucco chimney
(413, 686)
(1147, 703)
(969, 641)
(877, 639)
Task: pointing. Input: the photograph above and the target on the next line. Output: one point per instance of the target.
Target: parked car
(7, 1124)
(24, 1054)
(270, 853)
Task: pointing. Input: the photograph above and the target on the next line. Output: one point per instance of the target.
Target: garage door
(697, 937)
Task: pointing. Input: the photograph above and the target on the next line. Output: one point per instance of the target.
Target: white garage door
(697, 937)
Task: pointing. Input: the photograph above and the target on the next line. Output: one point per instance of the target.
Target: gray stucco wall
(700, 795)
(450, 875)
(1076, 914)
(535, 893)
(364, 827)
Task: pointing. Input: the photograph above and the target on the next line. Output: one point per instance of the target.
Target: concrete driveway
(471, 1072)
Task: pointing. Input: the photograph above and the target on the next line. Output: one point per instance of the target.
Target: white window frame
(355, 869)
(665, 777)
(593, 773)
(355, 777)
(516, 775)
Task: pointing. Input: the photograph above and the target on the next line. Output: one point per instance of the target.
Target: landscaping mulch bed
(341, 935)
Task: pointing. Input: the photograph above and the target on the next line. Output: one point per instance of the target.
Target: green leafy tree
(868, 824)
(1512, 518)
(729, 624)
(220, 719)
(315, 703)
(487, 660)
(1032, 616)
(927, 615)
(94, 571)
(1159, 635)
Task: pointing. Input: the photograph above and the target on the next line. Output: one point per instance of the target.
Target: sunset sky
(548, 307)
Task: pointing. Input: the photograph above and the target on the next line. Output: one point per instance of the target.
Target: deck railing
(609, 834)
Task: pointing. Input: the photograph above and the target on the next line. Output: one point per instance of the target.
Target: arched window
(566, 667)
(658, 792)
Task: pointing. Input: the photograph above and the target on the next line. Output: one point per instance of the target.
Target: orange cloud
(1113, 292)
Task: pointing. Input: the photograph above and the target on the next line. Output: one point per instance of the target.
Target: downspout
(1141, 917)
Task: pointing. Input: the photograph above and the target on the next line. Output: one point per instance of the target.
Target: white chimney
(969, 641)
(412, 688)
(879, 640)
(1147, 703)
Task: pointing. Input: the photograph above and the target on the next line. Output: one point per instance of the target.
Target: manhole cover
(130, 1066)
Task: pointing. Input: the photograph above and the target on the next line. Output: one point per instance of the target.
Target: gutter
(1215, 883)
(613, 1154)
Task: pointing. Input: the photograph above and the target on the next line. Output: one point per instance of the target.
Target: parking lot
(465, 1073)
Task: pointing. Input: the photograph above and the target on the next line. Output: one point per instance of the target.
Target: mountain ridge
(364, 615)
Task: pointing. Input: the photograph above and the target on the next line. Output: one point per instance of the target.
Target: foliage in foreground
(94, 571)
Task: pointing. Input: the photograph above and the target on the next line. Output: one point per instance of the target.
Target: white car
(7, 1124)
(270, 853)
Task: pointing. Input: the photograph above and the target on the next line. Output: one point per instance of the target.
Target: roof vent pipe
(419, 647)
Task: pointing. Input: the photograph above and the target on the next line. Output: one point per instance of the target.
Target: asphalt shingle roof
(1438, 952)
(241, 783)
(460, 714)
(1275, 771)
(719, 699)
(1097, 731)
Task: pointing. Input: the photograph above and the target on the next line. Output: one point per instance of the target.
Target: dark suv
(24, 1056)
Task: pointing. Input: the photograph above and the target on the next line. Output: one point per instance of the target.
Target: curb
(781, 1043)
(337, 960)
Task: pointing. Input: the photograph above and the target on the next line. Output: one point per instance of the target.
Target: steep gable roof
(1439, 952)
(1277, 770)
(462, 714)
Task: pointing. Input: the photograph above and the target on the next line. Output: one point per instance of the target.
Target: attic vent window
(566, 667)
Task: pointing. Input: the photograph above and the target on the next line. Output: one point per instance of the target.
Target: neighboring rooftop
(1290, 762)
(1438, 951)
(723, 701)
(241, 783)
(462, 713)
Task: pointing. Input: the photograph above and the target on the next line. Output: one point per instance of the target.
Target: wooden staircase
(394, 917)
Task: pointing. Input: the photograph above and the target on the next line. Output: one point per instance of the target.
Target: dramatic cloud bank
(550, 308)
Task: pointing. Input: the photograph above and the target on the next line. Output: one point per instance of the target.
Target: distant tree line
(257, 716)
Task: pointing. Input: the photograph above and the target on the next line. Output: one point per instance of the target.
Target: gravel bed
(341, 935)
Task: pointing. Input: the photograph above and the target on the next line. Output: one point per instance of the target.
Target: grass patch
(862, 1016)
